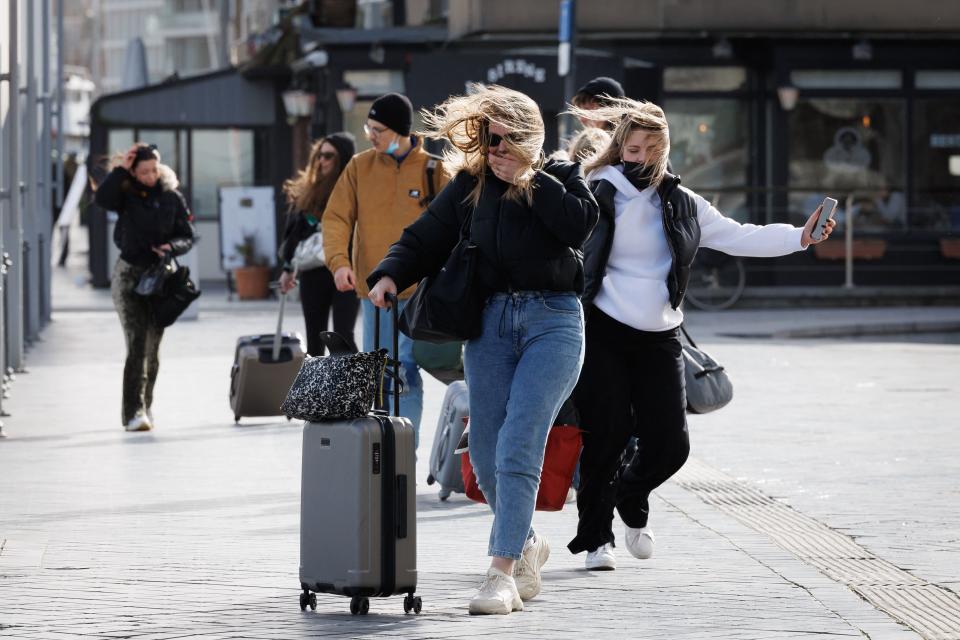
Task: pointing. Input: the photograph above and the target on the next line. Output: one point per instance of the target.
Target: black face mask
(637, 174)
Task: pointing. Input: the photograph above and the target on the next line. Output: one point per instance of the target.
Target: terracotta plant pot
(863, 249)
(950, 248)
(253, 283)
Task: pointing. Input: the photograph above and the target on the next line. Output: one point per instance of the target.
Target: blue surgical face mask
(393, 146)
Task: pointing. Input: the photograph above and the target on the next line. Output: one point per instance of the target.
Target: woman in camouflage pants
(153, 220)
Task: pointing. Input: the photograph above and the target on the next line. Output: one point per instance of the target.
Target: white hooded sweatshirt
(634, 287)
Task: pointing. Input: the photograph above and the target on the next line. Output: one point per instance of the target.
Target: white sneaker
(601, 559)
(497, 594)
(139, 422)
(526, 570)
(639, 542)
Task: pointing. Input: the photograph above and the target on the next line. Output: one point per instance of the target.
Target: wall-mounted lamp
(346, 98)
(298, 104)
(722, 49)
(788, 97)
(862, 50)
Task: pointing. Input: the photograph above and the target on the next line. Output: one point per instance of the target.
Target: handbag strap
(278, 337)
(686, 335)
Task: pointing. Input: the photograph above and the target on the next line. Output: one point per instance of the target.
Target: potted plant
(253, 278)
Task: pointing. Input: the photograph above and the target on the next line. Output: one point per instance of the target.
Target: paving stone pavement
(191, 531)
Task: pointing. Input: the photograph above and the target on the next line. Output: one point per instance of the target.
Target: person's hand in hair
(130, 157)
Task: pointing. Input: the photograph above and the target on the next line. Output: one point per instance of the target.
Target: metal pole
(567, 63)
(31, 260)
(60, 129)
(14, 244)
(45, 219)
(848, 243)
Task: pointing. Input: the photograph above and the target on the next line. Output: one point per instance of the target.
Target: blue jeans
(411, 393)
(519, 371)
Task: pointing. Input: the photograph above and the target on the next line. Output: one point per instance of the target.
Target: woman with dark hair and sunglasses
(529, 220)
(152, 220)
(307, 196)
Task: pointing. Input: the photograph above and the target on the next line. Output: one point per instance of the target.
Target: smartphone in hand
(827, 210)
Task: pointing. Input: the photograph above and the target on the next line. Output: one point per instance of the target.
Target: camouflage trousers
(143, 340)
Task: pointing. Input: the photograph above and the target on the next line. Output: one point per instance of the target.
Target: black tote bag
(447, 307)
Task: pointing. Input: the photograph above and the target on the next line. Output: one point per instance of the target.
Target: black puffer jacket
(520, 247)
(147, 217)
(680, 225)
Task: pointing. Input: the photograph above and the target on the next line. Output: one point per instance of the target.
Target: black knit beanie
(394, 111)
(344, 143)
(602, 86)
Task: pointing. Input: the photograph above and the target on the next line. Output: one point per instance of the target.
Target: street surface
(824, 501)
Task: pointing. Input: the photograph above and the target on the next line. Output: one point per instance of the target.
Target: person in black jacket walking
(152, 220)
(637, 264)
(307, 196)
(529, 222)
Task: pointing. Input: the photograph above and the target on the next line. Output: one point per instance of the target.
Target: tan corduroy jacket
(373, 202)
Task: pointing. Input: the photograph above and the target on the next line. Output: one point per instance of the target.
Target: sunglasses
(327, 155)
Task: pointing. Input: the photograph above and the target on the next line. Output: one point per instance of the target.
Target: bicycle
(717, 280)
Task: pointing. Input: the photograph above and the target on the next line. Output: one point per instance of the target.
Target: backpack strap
(432, 162)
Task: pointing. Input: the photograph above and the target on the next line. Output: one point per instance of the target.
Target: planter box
(863, 249)
(950, 248)
(253, 283)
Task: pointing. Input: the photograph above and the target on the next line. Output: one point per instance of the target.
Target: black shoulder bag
(447, 307)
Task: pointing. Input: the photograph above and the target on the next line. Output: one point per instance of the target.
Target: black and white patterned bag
(340, 387)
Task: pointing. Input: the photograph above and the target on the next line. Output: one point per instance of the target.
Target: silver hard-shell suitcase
(444, 463)
(264, 367)
(358, 515)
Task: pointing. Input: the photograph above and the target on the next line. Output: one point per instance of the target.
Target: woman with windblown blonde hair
(529, 219)
(637, 265)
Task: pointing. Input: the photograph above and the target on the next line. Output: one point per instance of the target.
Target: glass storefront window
(844, 146)
(935, 202)
(859, 79)
(119, 140)
(940, 79)
(220, 157)
(709, 141)
(704, 78)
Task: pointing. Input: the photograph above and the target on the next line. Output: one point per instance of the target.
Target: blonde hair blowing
(168, 177)
(627, 116)
(587, 143)
(464, 122)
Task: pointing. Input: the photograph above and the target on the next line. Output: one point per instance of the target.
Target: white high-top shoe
(139, 422)
(497, 594)
(639, 542)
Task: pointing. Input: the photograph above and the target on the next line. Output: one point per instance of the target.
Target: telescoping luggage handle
(278, 336)
(394, 306)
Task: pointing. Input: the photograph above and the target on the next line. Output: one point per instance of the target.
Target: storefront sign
(944, 140)
(516, 66)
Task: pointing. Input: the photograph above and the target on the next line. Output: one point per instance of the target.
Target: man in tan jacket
(379, 193)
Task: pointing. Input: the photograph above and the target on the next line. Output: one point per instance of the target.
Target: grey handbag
(708, 385)
(309, 253)
(339, 387)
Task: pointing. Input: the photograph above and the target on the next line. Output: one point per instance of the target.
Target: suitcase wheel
(360, 605)
(431, 479)
(308, 599)
(236, 419)
(412, 603)
(444, 494)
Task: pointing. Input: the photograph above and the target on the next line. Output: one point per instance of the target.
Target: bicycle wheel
(716, 280)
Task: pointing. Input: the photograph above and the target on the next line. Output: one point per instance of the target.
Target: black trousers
(631, 385)
(318, 294)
